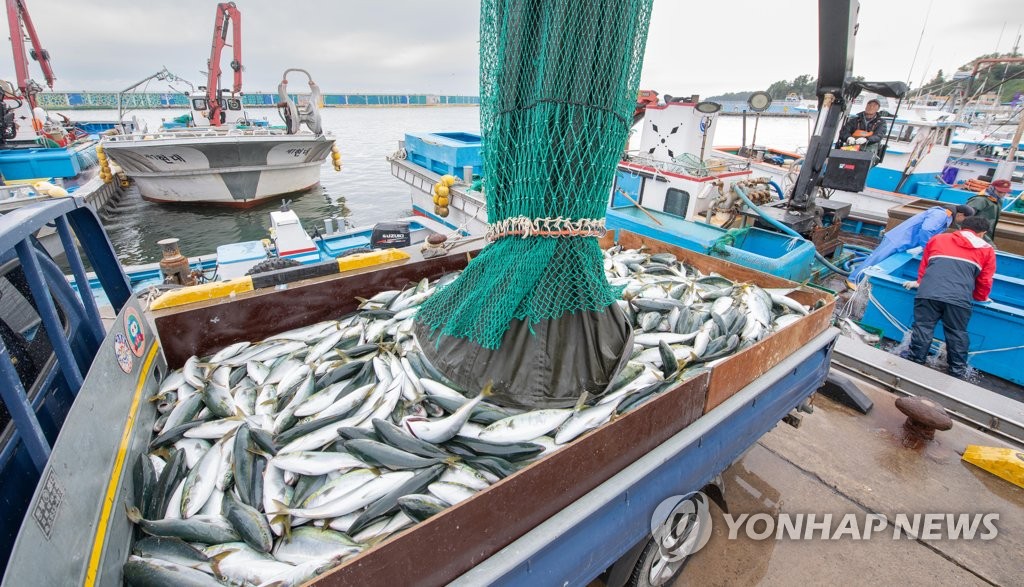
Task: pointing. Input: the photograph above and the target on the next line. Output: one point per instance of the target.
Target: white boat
(233, 167)
(217, 154)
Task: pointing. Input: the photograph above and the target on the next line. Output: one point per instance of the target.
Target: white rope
(525, 227)
(1009, 348)
(892, 319)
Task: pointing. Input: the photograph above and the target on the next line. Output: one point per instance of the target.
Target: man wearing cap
(915, 231)
(989, 203)
(866, 129)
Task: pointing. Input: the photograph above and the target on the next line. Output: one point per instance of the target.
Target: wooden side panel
(200, 329)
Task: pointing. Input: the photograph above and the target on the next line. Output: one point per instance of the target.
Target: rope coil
(559, 227)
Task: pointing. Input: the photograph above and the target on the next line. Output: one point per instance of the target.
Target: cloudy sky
(431, 46)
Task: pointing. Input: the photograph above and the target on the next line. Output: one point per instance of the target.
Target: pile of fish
(275, 461)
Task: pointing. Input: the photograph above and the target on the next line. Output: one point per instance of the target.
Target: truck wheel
(272, 265)
(684, 532)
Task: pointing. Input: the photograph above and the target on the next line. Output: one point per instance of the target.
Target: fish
(202, 529)
(173, 550)
(251, 525)
(274, 460)
(314, 544)
(524, 427)
(156, 571)
(438, 431)
(316, 462)
(419, 506)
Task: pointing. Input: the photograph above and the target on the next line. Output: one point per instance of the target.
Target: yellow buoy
(442, 201)
(443, 212)
(1001, 462)
(448, 180)
(441, 191)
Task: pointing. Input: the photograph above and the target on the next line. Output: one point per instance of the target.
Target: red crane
(227, 14)
(20, 24)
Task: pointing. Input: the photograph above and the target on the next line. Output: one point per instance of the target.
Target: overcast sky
(431, 46)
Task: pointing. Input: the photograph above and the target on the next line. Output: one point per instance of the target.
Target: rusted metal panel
(438, 550)
(1009, 230)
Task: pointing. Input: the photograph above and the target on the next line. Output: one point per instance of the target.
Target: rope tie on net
(559, 227)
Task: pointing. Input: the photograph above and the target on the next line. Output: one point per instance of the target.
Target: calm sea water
(364, 190)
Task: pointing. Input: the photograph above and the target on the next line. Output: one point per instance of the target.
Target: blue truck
(80, 416)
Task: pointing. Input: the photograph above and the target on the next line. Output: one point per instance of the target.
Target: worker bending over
(915, 231)
(956, 270)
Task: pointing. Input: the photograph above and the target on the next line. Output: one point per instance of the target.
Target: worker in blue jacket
(915, 231)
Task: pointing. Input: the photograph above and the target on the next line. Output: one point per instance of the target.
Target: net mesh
(558, 86)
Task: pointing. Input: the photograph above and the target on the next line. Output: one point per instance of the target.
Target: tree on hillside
(732, 96)
(999, 76)
(802, 85)
(937, 80)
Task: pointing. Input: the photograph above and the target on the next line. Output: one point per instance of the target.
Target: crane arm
(837, 26)
(20, 23)
(227, 14)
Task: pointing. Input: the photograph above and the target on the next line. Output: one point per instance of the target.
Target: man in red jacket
(956, 270)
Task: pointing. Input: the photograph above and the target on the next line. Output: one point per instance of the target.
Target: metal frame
(584, 539)
(997, 415)
(49, 288)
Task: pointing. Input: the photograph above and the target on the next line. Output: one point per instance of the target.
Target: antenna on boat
(285, 205)
(924, 27)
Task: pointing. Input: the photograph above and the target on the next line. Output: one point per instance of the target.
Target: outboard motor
(8, 128)
(390, 235)
(307, 112)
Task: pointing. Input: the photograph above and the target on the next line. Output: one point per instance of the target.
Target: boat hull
(221, 169)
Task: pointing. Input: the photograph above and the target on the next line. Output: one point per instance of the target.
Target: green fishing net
(558, 86)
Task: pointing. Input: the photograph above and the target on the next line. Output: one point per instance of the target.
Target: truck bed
(77, 525)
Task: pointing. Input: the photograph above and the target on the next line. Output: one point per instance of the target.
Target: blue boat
(289, 243)
(996, 329)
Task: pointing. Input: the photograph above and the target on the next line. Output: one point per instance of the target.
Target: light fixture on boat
(759, 101)
(708, 107)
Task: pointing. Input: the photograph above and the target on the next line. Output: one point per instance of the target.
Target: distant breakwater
(156, 100)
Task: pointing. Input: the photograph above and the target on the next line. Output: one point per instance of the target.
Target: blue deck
(770, 252)
(993, 327)
(19, 164)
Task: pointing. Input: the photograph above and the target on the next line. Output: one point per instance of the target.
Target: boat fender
(336, 157)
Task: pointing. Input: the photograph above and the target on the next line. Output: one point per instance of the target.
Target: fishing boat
(977, 156)
(35, 145)
(220, 156)
(288, 244)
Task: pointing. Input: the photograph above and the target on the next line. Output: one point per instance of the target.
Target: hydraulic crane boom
(837, 26)
(20, 24)
(227, 14)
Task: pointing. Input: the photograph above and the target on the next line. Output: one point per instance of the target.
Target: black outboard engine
(390, 235)
(8, 128)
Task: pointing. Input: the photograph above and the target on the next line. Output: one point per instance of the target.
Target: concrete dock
(840, 461)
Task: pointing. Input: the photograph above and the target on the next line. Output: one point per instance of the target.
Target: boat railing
(71, 322)
(194, 134)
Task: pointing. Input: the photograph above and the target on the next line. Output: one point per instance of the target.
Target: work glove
(862, 141)
(851, 141)
(910, 284)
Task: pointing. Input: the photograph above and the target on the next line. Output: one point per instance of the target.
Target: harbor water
(364, 190)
